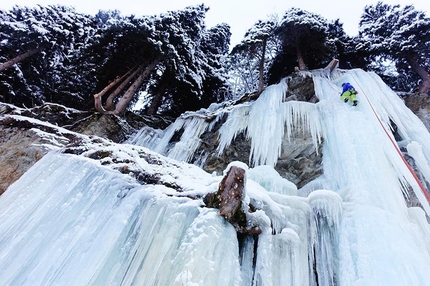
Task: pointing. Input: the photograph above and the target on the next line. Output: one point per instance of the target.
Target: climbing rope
(423, 189)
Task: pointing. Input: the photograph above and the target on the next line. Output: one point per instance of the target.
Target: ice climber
(348, 93)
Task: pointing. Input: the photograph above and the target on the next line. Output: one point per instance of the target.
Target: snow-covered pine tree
(194, 61)
(182, 68)
(37, 50)
(184, 59)
(305, 33)
(215, 46)
(343, 47)
(400, 34)
(251, 57)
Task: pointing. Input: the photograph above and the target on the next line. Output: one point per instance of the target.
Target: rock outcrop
(26, 135)
(23, 142)
(229, 199)
(419, 104)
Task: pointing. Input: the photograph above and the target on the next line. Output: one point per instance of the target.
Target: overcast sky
(239, 14)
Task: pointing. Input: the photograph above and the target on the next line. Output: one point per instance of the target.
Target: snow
(268, 178)
(72, 220)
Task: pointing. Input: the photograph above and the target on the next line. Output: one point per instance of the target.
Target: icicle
(265, 122)
(418, 217)
(305, 115)
(156, 139)
(159, 141)
(147, 136)
(190, 139)
(237, 121)
(416, 151)
(327, 207)
(247, 259)
(265, 127)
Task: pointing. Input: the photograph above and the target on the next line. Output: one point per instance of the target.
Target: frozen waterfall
(71, 220)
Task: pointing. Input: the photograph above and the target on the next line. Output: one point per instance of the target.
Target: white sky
(239, 14)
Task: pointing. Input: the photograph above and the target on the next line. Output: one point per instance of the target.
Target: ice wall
(71, 221)
(378, 238)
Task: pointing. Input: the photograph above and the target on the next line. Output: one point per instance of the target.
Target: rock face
(19, 150)
(420, 105)
(299, 162)
(21, 146)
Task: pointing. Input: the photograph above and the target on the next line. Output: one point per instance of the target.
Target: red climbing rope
(423, 189)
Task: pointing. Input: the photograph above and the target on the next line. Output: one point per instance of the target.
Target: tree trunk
(98, 104)
(112, 84)
(302, 65)
(421, 71)
(157, 99)
(98, 96)
(122, 104)
(19, 58)
(109, 101)
(261, 67)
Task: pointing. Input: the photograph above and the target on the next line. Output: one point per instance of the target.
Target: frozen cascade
(266, 118)
(72, 221)
(265, 122)
(98, 229)
(369, 175)
(267, 177)
(159, 140)
(327, 208)
(192, 125)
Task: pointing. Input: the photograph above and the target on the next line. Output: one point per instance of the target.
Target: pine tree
(400, 34)
(215, 47)
(176, 62)
(306, 34)
(250, 57)
(38, 47)
(343, 47)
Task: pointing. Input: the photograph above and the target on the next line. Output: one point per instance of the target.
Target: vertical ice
(71, 221)
(97, 228)
(363, 165)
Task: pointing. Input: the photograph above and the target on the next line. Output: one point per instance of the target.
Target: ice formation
(73, 221)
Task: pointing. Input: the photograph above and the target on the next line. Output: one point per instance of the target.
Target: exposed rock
(22, 145)
(19, 150)
(419, 104)
(106, 126)
(239, 150)
(301, 88)
(299, 161)
(111, 127)
(55, 114)
(228, 200)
